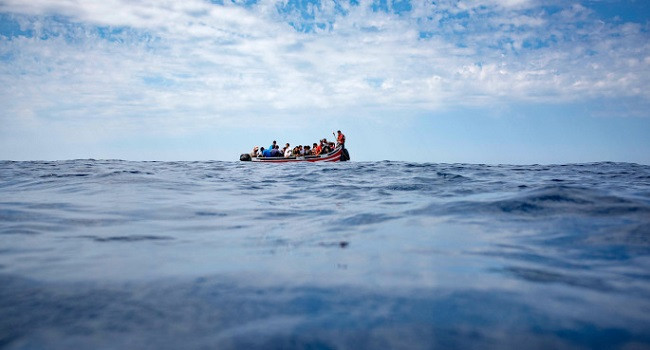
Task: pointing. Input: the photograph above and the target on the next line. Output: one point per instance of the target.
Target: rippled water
(168, 255)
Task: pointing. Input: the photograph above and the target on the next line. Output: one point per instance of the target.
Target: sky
(484, 81)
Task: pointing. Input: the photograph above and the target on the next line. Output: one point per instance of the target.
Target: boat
(339, 154)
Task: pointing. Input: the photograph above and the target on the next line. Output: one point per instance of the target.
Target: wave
(549, 200)
(126, 238)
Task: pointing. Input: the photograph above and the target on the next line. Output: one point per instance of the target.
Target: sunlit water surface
(218, 255)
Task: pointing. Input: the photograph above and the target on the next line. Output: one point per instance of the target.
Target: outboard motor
(245, 157)
(345, 156)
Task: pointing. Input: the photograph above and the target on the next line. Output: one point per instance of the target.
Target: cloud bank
(130, 63)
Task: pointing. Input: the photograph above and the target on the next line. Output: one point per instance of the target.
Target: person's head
(255, 148)
(261, 149)
(287, 145)
(277, 146)
(338, 132)
(314, 145)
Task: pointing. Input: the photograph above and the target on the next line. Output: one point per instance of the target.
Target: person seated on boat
(340, 139)
(316, 149)
(265, 152)
(331, 144)
(287, 151)
(275, 143)
(307, 151)
(276, 152)
(254, 152)
(326, 147)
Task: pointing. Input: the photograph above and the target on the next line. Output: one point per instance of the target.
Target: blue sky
(485, 81)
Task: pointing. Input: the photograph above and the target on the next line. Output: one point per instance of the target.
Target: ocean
(111, 254)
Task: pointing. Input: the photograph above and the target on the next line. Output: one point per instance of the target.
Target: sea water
(110, 254)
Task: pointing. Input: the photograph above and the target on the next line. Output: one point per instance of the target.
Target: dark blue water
(220, 255)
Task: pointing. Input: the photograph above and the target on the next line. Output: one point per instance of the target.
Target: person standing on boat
(340, 139)
(275, 143)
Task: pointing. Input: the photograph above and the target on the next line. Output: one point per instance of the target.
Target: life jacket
(341, 138)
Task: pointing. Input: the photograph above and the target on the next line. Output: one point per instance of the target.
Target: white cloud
(178, 61)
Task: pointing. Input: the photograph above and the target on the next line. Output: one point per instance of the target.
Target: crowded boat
(323, 150)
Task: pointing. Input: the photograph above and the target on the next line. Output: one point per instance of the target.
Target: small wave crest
(127, 238)
(544, 201)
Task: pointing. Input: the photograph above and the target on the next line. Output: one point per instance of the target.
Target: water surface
(110, 254)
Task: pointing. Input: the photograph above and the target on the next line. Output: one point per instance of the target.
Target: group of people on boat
(322, 147)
